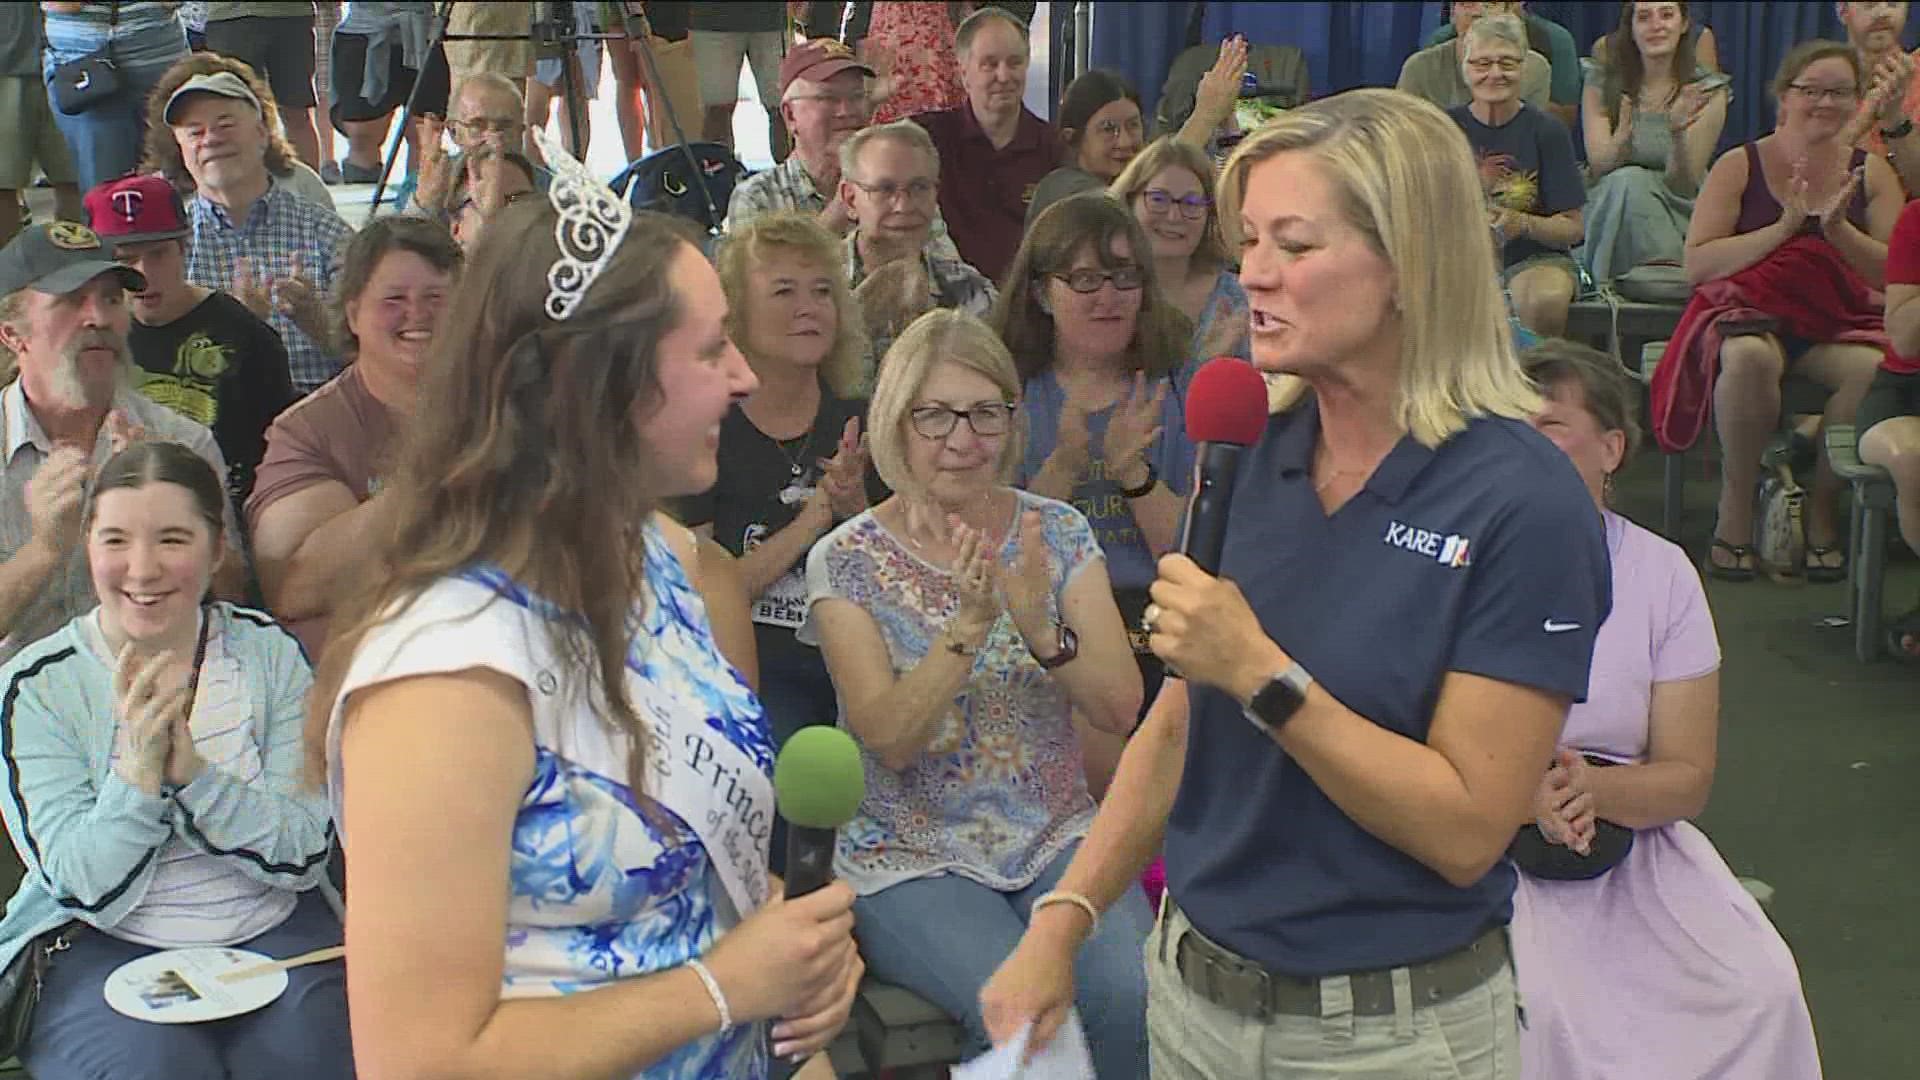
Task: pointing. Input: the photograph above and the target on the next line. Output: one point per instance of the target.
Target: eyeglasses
(1825, 93)
(1111, 129)
(489, 125)
(856, 99)
(1507, 64)
(1124, 278)
(1192, 207)
(886, 191)
(938, 421)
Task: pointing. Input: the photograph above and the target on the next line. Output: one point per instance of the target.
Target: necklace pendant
(796, 469)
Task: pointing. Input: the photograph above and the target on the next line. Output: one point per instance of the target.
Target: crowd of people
(495, 548)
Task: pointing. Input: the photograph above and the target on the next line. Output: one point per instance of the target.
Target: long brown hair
(162, 153)
(523, 454)
(1162, 333)
(1626, 70)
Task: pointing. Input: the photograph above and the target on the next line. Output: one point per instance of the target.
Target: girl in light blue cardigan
(151, 758)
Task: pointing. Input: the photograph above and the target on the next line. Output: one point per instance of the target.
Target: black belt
(1233, 982)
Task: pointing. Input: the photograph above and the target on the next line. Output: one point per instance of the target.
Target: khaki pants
(513, 59)
(1475, 1036)
(679, 86)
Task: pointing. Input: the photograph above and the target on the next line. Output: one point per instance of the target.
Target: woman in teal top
(152, 750)
(1649, 135)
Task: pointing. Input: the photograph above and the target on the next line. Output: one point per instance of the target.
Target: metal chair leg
(1866, 638)
(1673, 494)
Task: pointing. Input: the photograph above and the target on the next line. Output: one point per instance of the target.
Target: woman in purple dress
(1662, 965)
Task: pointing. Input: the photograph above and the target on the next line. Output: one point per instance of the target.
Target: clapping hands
(292, 295)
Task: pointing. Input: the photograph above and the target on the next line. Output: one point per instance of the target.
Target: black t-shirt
(739, 17)
(1528, 165)
(669, 20)
(219, 366)
(762, 486)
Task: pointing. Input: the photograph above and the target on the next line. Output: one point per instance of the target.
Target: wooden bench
(1867, 554)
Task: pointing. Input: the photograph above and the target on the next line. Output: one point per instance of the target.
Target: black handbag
(1533, 853)
(79, 85)
(20, 987)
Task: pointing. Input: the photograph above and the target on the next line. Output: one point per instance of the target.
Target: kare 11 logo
(1447, 549)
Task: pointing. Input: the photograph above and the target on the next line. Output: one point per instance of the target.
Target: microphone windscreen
(818, 779)
(1226, 403)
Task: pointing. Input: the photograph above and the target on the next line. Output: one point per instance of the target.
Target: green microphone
(819, 782)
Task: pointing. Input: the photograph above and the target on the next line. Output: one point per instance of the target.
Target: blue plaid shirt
(283, 234)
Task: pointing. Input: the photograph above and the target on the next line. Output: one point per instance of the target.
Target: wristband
(713, 991)
(1898, 131)
(1146, 486)
(1074, 898)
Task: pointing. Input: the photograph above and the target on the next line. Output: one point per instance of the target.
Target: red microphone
(1226, 412)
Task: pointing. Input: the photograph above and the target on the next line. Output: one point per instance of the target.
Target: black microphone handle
(809, 859)
(1205, 534)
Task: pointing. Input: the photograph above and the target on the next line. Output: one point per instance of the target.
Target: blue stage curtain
(1352, 43)
(1139, 41)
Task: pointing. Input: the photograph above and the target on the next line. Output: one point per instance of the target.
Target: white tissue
(1065, 1058)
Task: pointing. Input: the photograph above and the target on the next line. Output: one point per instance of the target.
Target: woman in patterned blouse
(970, 630)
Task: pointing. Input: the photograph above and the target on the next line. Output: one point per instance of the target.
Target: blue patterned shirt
(597, 890)
(283, 234)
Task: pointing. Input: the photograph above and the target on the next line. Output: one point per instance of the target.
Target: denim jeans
(303, 1033)
(106, 139)
(1475, 1036)
(942, 937)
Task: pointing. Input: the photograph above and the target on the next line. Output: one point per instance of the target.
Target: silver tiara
(593, 221)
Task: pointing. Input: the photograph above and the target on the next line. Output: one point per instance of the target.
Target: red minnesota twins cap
(136, 209)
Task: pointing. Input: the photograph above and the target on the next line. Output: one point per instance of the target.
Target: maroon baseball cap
(136, 209)
(817, 61)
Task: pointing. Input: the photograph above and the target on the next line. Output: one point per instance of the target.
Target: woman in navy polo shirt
(1374, 685)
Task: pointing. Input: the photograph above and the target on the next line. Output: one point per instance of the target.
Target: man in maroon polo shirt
(992, 150)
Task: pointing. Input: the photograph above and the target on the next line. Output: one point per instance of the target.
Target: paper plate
(182, 986)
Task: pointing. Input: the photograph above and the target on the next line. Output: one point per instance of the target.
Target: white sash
(719, 791)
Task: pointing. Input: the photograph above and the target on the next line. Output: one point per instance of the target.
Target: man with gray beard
(71, 406)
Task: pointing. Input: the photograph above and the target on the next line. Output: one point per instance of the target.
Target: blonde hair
(1168, 152)
(845, 366)
(941, 336)
(1407, 182)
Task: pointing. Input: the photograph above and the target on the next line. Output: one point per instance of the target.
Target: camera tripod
(549, 25)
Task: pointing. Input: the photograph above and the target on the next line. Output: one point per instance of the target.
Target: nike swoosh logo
(1552, 627)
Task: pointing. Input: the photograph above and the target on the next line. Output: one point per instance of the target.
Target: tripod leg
(413, 96)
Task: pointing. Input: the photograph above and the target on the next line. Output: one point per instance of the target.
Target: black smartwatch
(1898, 131)
(1275, 703)
(1146, 486)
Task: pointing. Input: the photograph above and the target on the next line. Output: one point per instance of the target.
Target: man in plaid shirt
(252, 237)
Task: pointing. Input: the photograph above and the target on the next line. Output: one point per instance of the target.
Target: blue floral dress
(599, 891)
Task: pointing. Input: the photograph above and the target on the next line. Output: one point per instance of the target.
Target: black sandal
(1741, 553)
(1819, 572)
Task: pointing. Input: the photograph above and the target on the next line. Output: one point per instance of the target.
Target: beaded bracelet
(713, 991)
(1077, 900)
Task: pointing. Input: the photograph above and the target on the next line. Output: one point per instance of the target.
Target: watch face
(1276, 702)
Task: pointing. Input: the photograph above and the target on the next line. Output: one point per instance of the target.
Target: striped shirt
(282, 235)
(197, 898)
(216, 860)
